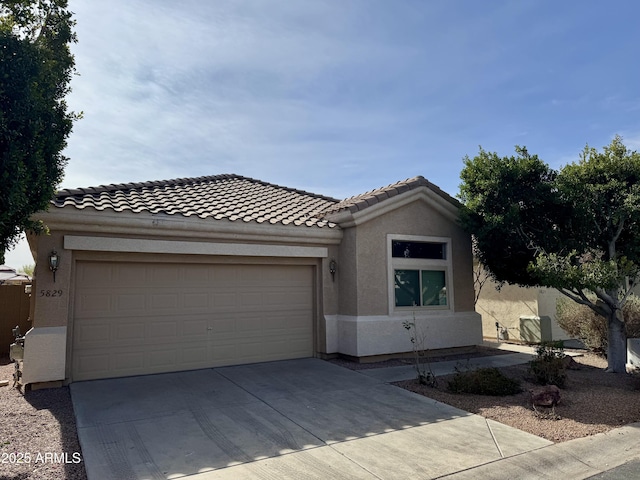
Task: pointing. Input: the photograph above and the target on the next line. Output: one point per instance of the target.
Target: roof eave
(70, 219)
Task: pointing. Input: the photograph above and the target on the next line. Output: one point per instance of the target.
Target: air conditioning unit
(534, 329)
(633, 353)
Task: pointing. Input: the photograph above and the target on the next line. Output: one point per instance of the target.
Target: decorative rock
(547, 396)
(570, 364)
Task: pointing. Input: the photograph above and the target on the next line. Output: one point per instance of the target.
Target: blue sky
(339, 97)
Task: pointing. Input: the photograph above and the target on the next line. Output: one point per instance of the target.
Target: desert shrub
(549, 367)
(631, 312)
(483, 381)
(579, 321)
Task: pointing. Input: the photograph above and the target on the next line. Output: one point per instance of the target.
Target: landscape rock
(569, 363)
(547, 396)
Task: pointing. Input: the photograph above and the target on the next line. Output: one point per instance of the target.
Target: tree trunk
(617, 349)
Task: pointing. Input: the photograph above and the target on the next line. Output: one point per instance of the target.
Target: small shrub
(549, 367)
(483, 381)
(579, 321)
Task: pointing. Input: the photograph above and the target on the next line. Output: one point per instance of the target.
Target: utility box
(534, 329)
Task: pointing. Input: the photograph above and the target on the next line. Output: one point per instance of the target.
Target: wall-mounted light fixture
(54, 262)
(332, 269)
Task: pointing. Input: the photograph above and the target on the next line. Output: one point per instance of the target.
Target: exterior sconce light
(332, 269)
(54, 262)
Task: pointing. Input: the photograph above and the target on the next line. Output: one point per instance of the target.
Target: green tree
(36, 66)
(28, 269)
(576, 229)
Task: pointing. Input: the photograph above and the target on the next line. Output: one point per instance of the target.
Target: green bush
(483, 381)
(549, 367)
(579, 321)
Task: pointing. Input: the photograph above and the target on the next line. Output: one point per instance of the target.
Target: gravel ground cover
(38, 437)
(592, 400)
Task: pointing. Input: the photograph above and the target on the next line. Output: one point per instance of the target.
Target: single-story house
(163, 276)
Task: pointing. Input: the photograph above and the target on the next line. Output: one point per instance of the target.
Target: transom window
(419, 269)
(430, 250)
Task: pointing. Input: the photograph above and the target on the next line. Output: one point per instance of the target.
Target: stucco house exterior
(211, 271)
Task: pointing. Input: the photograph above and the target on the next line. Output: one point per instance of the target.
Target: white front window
(419, 273)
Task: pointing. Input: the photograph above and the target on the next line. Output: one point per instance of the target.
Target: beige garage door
(138, 318)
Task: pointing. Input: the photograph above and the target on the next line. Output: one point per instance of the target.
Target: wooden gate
(14, 310)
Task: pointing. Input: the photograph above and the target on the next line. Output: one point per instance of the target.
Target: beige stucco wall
(419, 219)
(507, 304)
(347, 275)
(51, 298)
(365, 325)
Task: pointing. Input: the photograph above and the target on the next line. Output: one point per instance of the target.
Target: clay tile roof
(364, 200)
(231, 197)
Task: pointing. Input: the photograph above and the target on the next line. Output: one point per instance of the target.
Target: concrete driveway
(293, 419)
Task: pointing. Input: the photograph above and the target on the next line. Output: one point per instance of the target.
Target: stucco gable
(369, 205)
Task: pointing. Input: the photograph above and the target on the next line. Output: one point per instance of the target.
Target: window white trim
(445, 264)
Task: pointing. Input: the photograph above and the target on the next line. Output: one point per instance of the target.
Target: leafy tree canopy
(36, 66)
(510, 204)
(576, 229)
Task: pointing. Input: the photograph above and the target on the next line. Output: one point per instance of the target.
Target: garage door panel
(126, 275)
(124, 361)
(195, 355)
(93, 304)
(166, 358)
(224, 299)
(129, 332)
(98, 275)
(164, 300)
(291, 298)
(93, 334)
(196, 276)
(194, 327)
(195, 301)
(127, 302)
(92, 365)
(171, 317)
(160, 275)
(161, 331)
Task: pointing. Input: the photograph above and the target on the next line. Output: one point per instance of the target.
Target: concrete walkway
(408, 372)
(611, 453)
(521, 354)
